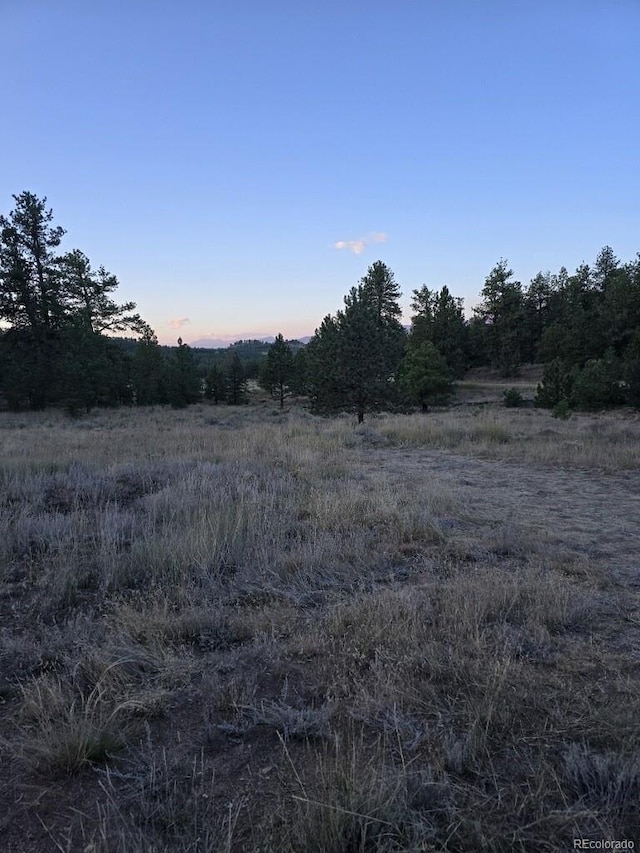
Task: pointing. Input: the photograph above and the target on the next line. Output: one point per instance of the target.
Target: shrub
(512, 398)
(424, 376)
(593, 388)
(562, 410)
(632, 383)
(556, 385)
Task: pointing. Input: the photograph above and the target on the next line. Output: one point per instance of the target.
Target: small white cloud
(355, 246)
(358, 246)
(179, 322)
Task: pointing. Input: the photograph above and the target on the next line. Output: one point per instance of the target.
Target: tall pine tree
(277, 371)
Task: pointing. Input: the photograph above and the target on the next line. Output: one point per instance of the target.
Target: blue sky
(239, 165)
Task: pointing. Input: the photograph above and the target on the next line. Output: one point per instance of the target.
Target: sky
(239, 164)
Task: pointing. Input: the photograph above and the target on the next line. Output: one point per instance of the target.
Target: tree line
(585, 329)
(58, 319)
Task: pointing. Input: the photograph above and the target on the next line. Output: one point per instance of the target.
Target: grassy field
(229, 629)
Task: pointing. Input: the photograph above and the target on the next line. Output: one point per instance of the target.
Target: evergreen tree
(277, 372)
(235, 380)
(353, 358)
(424, 375)
(87, 294)
(632, 383)
(631, 371)
(478, 353)
(214, 388)
(605, 268)
(84, 375)
(149, 371)
(423, 304)
(556, 386)
(185, 385)
(580, 316)
(323, 368)
(501, 311)
(31, 299)
(450, 331)
(251, 367)
(380, 290)
(438, 318)
(20, 369)
(595, 386)
(556, 343)
(363, 375)
(300, 375)
(619, 307)
(536, 309)
(55, 306)
(381, 293)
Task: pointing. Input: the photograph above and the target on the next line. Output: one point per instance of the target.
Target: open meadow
(236, 629)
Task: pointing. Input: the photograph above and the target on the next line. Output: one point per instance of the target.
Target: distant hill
(251, 352)
(220, 343)
(210, 343)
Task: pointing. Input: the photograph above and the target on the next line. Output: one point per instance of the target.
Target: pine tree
(277, 372)
(235, 380)
(185, 385)
(353, 358)
(450, 331)
(149, 371)
(537, 302)
(438, 318)
(214, 388)
(87, 294)
(423, 303)
(556, 386)
(323, 367)
(501, 311)
(300, 377)
(20, 369)
(380, 290)
(424, 375)
(31, 299)
(94, 371)
(55, 305)
(605, 268)
(363, 378)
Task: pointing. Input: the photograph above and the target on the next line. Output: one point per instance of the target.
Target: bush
(512, 398)
(593, 388)
(632, 383)
(424, 376)
(562, 410)
(556, 385)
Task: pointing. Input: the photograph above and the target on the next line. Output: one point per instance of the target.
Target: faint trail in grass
(597, 515)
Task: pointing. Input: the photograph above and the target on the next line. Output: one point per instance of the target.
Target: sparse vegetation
(293, 633)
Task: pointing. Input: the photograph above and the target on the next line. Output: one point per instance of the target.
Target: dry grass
(603, 442)
(240, 630)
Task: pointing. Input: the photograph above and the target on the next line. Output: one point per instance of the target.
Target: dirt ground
(589, 513)
(589, 519)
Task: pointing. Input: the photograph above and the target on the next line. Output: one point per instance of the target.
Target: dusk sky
(239, 165)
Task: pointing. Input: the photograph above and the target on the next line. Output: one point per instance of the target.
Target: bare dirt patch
(589, 513)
